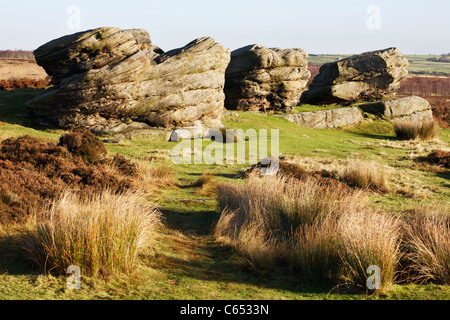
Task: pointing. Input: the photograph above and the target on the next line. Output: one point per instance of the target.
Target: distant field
(20, 69)
(418, 63)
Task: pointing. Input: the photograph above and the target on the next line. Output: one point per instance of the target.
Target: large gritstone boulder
(367, 76)
(107, 79)
(411, 108)
(259, 78)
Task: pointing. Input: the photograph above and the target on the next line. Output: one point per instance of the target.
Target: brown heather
(33, 172)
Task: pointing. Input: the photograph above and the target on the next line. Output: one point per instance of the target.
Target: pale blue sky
(320, 26)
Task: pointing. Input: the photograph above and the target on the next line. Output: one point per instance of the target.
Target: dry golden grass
(366, 175)
(318, 230)
(150, 177)
(5, 134)
(19, 68)
(207, 185)
(426, 236)
(369, 238)
(102, 234)
(415, 130)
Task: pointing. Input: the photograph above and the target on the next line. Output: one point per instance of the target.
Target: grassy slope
(189, 263)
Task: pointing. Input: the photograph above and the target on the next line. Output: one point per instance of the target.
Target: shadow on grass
(13, 256)
(233, 175)
(375, 136)
(13, 108)
(189, 223)
(444, 175)
(218, 262)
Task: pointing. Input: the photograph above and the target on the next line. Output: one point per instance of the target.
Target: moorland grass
(318, 230)
(366, 175)
(101, 234)
(189, 262)
(426, 241)
(417, 130)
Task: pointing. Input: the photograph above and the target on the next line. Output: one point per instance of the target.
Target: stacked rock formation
(259, 78)
(367, 76)
(108, 79)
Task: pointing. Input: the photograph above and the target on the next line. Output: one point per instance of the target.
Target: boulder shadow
(13, 109)
(13, 256)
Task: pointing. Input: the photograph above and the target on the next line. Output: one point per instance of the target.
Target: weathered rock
(326, 119)
(408, 108)
(259, 78)
(105, 75)
(370, 75)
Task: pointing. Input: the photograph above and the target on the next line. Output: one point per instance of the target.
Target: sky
(318, 26)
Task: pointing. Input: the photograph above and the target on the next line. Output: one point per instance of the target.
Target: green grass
(15, 119)
(189, 262)
(310, 107)
(419, 64)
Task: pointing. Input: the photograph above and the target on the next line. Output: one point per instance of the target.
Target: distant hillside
(419, 64)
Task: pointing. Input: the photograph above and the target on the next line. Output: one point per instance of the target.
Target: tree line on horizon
(16, 54)
(444, 58)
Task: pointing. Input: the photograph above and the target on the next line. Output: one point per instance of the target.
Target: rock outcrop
(411, 108)
(371, 75)
(106, 79)
(326, 119)
(259, 78)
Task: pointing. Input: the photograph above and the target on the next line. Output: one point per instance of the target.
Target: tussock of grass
(415, 130)
(315, 229)
(426, 238)
(369, 239)
(366, 175)
(207, 184)
(102, 234)
(150, 177)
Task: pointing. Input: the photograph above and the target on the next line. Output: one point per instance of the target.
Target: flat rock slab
(411, 108)
(326, 119)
